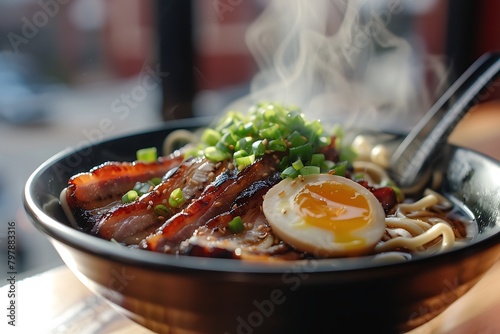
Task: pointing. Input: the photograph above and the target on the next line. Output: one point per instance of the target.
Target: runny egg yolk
(325, 215)
(335, 207)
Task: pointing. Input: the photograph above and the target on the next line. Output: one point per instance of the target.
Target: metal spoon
(414, 158)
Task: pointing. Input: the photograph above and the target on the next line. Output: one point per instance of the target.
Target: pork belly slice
(218, 197)
(90, 194)
(109, 181)
(256, 242)
(130, 223)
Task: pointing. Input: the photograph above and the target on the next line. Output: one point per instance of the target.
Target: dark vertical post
(461, 33)
(175, 52)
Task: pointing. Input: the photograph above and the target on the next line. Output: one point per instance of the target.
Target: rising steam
(338, 61)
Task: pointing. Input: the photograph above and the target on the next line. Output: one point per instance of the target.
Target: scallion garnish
(130, 196)
(142, 187)
(215, 154)
(236, 225)
(244, 143)
(258, 148)
(296, 139)
(176, 198)
(289, 172)
(277, 145)
(240, 154)
(155, 181)
(304, 152)
(340, 169)
(210, 137)
(297, 164)
(148, 154)
(242, 162)
(265, 129)
(317, 159)
(161, 210)
(309, 170)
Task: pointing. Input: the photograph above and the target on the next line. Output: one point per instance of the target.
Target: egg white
(282, 214)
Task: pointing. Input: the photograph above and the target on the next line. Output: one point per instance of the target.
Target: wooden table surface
(57, 302)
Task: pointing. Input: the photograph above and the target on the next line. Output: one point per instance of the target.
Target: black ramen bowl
(181, 294)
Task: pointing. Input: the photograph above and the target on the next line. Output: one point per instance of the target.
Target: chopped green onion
(242, 162)
(147, 154)
(296, 139)
(258, 148)
(297, 164)
(358, 176)
(244, 144)
(210, 137)
(214, 154)
(338, 133)
(400, 197)
(304, 152)
(239, 130)
(228, 139)
(230, 119)
(236, 225)
(272, 132)
(317, 159)
(142, 188)
(313, 139)
(155, 181)
(268, 127)
(269, 114)
(161, 210)
(289, 172)
(277, 145)
(347, 154)
(176, 198)
(309, 170)
(327, 165)
(284, 163)
(324, 141)
(316, 127)
(223, 147)
(240, 154)
(295, 120)
(340, 169)
(250, 129)
(193, 151)
(130, 196)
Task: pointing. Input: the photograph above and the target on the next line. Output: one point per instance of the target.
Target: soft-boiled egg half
(325, 215)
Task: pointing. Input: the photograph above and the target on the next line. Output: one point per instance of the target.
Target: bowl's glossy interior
(188, 294)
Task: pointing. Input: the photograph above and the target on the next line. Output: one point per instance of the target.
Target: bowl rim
(57, 230)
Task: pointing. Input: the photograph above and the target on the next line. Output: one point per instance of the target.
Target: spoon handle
(417, 152)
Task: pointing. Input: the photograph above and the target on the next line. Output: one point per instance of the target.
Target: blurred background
(73, 72)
